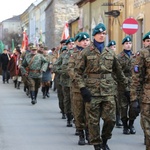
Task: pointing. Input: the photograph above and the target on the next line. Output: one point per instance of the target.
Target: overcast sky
(9, 8)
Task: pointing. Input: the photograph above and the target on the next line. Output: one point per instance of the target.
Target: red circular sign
(130, 26)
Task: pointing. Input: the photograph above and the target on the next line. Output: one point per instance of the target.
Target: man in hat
(126, 58)
(36, 64)
(112, 46)
(56, 70)
(141, 78)
(79, 108)
(24, 78)
(65, 80)
(94, 69)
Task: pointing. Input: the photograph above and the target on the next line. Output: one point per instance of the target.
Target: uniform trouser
(126, 114)
(105, 108)
(34, 83)
(81, 111)
(25, 81)
(145, 115)
(67, 100)
(60, 97)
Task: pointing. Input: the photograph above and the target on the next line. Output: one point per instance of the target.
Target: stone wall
(57, 14)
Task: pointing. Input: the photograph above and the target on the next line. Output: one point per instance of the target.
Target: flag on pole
(1, 46)
(25, 40)
(41, 38)
(65, 34)
(12, 45)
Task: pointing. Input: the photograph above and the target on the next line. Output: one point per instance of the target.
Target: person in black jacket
(4, 59)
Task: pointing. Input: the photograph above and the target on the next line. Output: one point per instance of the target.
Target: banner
(65, 34)
(24, 41)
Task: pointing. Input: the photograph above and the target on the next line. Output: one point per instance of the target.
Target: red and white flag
(24, 41)
(65, 34)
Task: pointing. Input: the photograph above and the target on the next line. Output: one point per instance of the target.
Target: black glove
(134, 108)
(127, 95)
(86, 95)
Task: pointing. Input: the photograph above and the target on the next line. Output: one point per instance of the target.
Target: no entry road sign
(130, 26)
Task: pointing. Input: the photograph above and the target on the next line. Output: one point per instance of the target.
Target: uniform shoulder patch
(136, 68)
(138, 53)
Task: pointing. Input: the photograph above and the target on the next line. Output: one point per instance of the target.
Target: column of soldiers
(94, 83)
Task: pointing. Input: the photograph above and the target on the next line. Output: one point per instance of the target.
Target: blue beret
(77, 36)
(98, 29)
(111, 43)
(146, 36)
(69, 40)
(63, 41)
(83, 36)
(126, 39)
(64, 48)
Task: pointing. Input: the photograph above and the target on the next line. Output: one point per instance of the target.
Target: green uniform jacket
(65, 78)
(126, 63)
(38, 65)
(94, 71)
(141, 75)
(71, 65)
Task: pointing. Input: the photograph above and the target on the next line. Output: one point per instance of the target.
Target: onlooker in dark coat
(4, 59)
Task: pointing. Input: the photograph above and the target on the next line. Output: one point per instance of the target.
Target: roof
(14, 18)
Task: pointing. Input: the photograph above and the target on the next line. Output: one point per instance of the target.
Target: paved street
(40, 127)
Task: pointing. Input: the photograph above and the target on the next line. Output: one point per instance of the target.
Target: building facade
(57, 13)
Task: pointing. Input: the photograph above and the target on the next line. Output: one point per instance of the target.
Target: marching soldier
(57, 72)
(94, 78)
(32, 66)
(80, 109)
(24, 78)
(141, 78)
(112, 46)
(65, 81)
(126, 59)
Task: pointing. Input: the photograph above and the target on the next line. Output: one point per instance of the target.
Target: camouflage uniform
(79, 108)
(56, 70)
(98, 68)
(126, 114)
(65, 81)
(141, 78)
(34, 72)
(25, 78)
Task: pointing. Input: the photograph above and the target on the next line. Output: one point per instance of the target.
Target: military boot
(47, 91)
(105, 145)
(87, 135)
(44, 92)
(18, 84)
(33, 98)
(15, 83)
(125, 127)
(69, 120)
(131, 127)
(77, 132)
(98, 147)
(81, 138)
(118, 122)
(63, 115)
